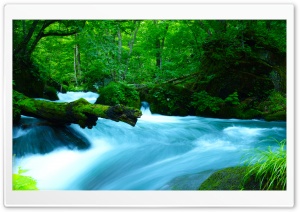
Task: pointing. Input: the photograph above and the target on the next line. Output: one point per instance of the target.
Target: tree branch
(40, 34)
(59, 34)
(27, 38)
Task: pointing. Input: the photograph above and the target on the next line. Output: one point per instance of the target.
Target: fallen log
(182, 78)
(78, 112)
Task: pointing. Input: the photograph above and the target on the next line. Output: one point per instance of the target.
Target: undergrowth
(268, 167)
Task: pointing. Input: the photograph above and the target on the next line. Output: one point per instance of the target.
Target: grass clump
(269, 168)
(263, 170)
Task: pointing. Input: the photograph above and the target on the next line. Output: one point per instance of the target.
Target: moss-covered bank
(231, 178)
(119, 93)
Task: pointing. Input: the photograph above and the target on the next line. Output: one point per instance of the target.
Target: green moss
(249, 114)
(278, 116)
(28, 103)
(231, 178)
(99, 110)
(50, 93)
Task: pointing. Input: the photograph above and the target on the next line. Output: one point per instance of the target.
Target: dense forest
(212, 68)
(203, 79)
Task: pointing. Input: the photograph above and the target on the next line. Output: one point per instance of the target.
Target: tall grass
(268, 167)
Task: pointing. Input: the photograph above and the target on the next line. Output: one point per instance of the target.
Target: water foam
(72, 96)
(57, 169)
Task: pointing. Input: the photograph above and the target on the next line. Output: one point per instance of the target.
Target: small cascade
(35, 136)
(145, 108)
(72, 96)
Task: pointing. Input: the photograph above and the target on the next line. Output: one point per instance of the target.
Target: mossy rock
(119, 93)
(56, 85)
(227, 111)
(169, 99)
(249, 114)
(50, 93)
(278, 116)
(231, 178)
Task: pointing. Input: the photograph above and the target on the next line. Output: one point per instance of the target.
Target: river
(159, 153)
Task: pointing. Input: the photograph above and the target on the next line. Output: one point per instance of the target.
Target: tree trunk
(130, 45)
(75, 71)
(162, 46)
(159, 44)
(119, 44)
(78, 66)
(26, 76)
(78, 112)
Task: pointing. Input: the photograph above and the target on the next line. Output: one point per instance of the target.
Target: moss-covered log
(78, 112)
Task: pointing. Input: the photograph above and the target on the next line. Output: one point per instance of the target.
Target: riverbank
(232, 178)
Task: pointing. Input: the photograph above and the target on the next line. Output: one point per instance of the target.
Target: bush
(278, 102)
(169, 100)
(119, 93)
(233, 99)
(269, 167)
(275, 102)
(202, 101)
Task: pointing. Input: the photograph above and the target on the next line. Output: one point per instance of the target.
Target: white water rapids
(160, 152)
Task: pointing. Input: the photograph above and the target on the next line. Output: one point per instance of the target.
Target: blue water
(160, 152)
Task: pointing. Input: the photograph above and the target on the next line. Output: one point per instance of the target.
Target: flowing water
(159, 153)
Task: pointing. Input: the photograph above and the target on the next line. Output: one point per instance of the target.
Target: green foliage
(277, 116)
(21, 182)
(229, 55)
(202, 101)
(269, 167)
(169, 100)
(278, 102)
(233, 99)
(94, 78)
(274, 108)
(119, 93)
(248, 114)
